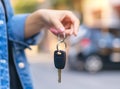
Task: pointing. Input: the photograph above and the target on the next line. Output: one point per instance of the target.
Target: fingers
(57, 25)
(74, 21)
(64, 34)
(69, 24)
(54, 31)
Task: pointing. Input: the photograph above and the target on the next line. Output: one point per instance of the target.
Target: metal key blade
(59, 75)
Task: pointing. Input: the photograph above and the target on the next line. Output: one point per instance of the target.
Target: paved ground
(45, 76)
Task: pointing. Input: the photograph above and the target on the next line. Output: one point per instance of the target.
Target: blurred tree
(26, 6)
(74, 5)
(62, 4)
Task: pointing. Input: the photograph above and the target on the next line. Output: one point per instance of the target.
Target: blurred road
(45, 76)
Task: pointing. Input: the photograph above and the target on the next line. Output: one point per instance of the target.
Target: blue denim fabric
(15, 27)
(4, 76)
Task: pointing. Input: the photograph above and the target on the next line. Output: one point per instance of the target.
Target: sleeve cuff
(35, 39)
(16, 29)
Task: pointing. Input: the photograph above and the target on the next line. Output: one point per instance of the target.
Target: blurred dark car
(94, 49)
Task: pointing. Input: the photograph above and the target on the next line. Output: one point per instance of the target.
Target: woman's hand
(58, 21)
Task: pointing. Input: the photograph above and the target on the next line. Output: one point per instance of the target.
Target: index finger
(75, 22)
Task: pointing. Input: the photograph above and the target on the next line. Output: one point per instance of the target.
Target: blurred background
(93, 57)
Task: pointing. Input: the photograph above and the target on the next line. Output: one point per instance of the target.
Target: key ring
(60, 40)
(60, 43)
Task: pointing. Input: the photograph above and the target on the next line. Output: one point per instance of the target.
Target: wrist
(33, 25)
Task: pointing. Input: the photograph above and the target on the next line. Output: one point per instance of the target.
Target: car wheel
(93, 64)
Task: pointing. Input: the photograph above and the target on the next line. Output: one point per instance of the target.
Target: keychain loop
(60, 40)
(60, 43)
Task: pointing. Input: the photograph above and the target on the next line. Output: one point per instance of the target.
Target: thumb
(58, 25)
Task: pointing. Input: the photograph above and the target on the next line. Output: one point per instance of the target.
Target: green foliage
(67, 3)
(26, 6)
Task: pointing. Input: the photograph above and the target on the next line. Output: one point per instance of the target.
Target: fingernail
(62, 29)
(54, 30)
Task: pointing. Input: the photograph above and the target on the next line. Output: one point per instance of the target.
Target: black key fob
(59, 59)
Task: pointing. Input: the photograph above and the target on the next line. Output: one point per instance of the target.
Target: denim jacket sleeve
(16, 29)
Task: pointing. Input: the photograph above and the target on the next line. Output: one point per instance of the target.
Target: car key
(60, 57)
(59, 62)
